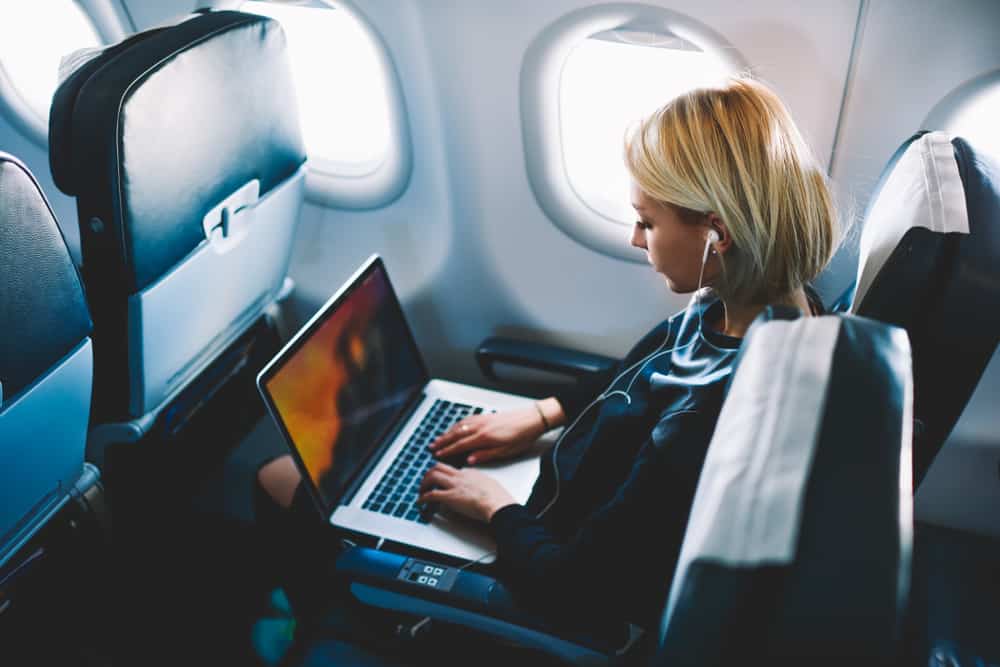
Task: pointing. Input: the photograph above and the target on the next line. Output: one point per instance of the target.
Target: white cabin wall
(912, 54)
(415, 233)
(467, 245)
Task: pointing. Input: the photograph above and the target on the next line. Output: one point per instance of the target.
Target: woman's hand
(502, 435)
(469, 492)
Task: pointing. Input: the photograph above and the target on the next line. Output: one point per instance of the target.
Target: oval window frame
(17, 111)
(360, 189)
(541, 129)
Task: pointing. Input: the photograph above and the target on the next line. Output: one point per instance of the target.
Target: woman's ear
(725, 239)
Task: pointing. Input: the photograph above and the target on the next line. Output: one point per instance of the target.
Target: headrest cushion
(921, 187)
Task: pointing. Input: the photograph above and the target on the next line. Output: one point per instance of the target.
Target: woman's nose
(638, 239)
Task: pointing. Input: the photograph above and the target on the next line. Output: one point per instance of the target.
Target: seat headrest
(44, 311)
(798, 539)
(920, 188)
(61, 160)
(158, 130)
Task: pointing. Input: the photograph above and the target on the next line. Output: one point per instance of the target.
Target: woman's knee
(279, 479)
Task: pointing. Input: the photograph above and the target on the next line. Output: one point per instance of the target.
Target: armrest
(539, 356)
(444, 592)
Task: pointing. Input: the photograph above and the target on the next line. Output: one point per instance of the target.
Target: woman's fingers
(460, 447)
(431, 479)
(440, 475)
(448, 436)
(462, 429)
(433, 496)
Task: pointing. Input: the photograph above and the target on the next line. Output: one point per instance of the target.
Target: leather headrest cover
(43, 313)
(158, 130)
(921, 188)
(63, 104)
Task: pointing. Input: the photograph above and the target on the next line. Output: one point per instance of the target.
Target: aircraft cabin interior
(560, 332)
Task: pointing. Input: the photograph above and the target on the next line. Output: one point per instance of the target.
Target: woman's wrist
(546, 427)
(493, 507)
(551, 412)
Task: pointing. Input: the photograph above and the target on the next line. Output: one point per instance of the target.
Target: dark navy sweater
(627, 472)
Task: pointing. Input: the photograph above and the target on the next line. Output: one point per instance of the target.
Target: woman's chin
(679, 288)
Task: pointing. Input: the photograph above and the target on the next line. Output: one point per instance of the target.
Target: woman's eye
(643, 225)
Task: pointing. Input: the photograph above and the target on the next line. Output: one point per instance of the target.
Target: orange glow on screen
(306, 389)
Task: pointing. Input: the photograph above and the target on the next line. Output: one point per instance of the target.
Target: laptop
(352, 396)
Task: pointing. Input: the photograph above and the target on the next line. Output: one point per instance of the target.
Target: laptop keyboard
(397, 491)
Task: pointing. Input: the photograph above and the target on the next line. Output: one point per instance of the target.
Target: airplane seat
(798, 546)
(52, 521)
(182, 147)
(928, 260)
(928, 255)
(799, 539)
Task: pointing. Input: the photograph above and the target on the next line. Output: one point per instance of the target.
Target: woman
(726, 196)
(723, 162)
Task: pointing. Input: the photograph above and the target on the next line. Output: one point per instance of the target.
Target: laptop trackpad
(518, 476)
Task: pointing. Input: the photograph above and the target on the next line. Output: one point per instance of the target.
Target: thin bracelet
(545, 422)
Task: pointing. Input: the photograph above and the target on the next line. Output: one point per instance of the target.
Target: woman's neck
(736, 318)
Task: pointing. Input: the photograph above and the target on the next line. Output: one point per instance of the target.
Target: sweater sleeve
(575, 397)
(619, 562)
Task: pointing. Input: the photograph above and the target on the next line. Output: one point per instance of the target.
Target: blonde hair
(735, 151)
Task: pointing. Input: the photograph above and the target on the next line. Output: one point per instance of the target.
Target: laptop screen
(341, 383)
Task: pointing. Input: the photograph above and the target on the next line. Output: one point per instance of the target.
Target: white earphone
(713, 236)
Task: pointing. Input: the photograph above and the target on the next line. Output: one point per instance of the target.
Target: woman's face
(673, 246)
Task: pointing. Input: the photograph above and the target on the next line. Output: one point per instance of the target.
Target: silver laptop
(353, 398)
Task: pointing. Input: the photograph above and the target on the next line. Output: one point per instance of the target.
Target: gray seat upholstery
(929, 252)
(183, 150)
(798, 545)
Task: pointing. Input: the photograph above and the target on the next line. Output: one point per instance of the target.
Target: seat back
(54, 527)
(929, 252)
(183, 150)
(798, 544)
(45, 362)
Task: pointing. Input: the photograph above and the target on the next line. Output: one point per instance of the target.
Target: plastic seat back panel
(180, 323)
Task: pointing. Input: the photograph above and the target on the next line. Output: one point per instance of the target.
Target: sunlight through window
(34, 36)
(341, 87)
(977, 122)
(607, 84)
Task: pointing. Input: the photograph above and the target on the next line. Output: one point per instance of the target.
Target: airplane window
(346, 98)
(586, 78)
(34, 36)
(976, 120)
(609, 81)
(971, 111)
